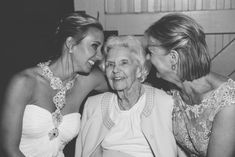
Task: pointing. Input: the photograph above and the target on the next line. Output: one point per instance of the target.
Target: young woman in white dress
(41, 106)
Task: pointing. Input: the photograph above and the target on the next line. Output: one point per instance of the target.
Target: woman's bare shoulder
(21, 82)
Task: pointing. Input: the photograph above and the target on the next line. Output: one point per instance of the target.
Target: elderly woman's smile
(121, 68)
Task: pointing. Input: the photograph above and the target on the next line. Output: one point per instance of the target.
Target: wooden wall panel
(137, 23)
(123, 5)
(151, 5)
(142, 6)
(232, 75)
(210, 39)
(227, 4)
(217, 17)
(224, 63)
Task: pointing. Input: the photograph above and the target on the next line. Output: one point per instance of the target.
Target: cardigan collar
(106, 101)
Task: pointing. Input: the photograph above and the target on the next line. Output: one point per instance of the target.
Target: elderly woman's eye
(124, 62)
(109, 64)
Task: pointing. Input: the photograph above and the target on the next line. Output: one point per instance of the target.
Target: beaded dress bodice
(192, 124)
(37, 123)
(44, 134)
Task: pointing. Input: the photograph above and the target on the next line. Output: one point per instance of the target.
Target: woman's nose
(99, 55)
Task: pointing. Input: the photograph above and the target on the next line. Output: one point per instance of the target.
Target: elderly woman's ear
(142, 72)
(139, 72)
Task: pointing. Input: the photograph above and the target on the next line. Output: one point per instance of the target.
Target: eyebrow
(97, 42)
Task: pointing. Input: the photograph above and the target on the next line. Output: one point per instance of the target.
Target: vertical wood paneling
(232, 76)
(198, 4)
(110, 6)
(215, 42)
(178, 5)
(212, 4)
(150, 5)
(220, 4)
(192, 4)
(137, 6)
(117, 5)
(185, 5)
(144, 6)
(157, 5)
(171, 5)
(218, 43)
(164, 6)
(224, 63)
(227, 4)
(124, 8)
(209, 4)
(130, 6)
(226, 39)
(233, 4)
(210, 39)
(105, 6)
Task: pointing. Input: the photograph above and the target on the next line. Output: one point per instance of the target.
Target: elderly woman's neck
(128, 98)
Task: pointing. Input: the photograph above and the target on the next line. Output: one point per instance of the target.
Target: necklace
(58, 99)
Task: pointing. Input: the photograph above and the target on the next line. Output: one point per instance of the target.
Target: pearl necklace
(58, 99)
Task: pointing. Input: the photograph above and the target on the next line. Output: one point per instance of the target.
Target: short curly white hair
(135, 47)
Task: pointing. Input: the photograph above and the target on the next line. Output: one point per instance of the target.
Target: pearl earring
(70, 51)
(173, 67)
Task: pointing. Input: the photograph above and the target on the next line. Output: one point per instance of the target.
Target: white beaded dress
(37, 123)
(45, 134)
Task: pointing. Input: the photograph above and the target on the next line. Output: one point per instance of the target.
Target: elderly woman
(133, 120)
(204, 110)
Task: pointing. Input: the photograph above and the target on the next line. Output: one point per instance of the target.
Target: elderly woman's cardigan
(156, 124)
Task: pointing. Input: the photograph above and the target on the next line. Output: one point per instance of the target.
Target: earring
(173, 67)
(70, 51)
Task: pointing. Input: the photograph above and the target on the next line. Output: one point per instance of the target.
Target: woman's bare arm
(222, 140)
(16, 97)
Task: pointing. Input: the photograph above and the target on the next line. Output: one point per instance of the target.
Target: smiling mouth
(119, 78)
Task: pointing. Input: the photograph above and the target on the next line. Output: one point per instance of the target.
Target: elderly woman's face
(122, 69)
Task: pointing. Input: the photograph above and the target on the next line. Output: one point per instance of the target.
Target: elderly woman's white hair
(135, 47)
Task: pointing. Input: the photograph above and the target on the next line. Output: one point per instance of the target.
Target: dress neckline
(42, 108)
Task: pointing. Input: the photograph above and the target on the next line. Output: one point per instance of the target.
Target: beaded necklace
(58, 99)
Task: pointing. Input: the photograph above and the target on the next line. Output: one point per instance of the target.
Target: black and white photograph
(117, 78)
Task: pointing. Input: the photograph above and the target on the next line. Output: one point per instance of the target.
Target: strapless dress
(37, 123)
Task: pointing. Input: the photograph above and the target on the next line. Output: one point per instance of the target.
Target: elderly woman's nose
(115, 69)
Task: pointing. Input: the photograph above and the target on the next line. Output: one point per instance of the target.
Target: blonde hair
(183, 34)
